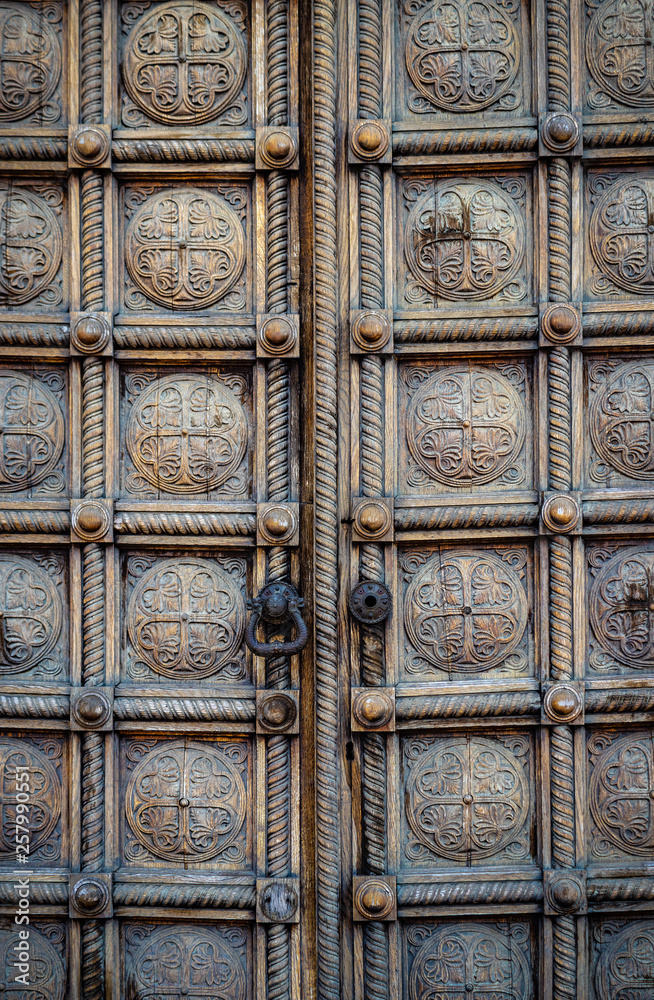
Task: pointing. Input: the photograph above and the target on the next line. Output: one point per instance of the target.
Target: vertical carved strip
(326, 503)
(370, 59)
(92, 801)
(277, 252)
(92, 427)
(375, 975)
(91, 62)
(92, 241)
(371, 426)
(559, 419)
(565, 958)
(370, 209)
(562, 790)
(277, 53)
(93, 614)
(558, 56)
(559, 205)
(93, 960)
(374, 803)
(561, 608)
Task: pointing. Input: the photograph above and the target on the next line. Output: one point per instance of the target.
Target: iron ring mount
(276, 604)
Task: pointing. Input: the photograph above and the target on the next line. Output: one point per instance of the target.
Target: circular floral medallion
(185, 249)
(184, 63)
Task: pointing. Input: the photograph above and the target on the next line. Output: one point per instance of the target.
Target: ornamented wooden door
(148, 489)
(497, 224)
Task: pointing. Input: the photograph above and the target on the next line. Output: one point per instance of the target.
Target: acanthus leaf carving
(184, 63)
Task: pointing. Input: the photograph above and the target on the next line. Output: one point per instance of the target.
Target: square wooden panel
(618, 233)
(464, 242)
(468, 800)
(35, 616)
(187, 433)
(185, 65)
(619, 602)
(461, 958)
(187, 802)
(33, 65)
(184, 617)
(44, 757)
(186, 248)
(465, 612)
(48, 958)
(189, 958)
(33, 265)
(616, 59)
(619, 957)
(620, 782)
(34, 419)
(471, 60)
(465, 426)
(620, 401)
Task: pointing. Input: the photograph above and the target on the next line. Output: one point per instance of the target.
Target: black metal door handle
(276, 604)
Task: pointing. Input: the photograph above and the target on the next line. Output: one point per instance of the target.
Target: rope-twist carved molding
(277, 251)
(372, 254)
(559, 203)
(183, 150)
(185, 709)
(93, 954)
(219, 337)
(464, 141)
(93, 427)
(375, 961)
(28, 148)
(92, 240)
(483, 705)
(618, 511)
(91, 62)
(469, 893)
(561, 608)
(30, 706)
(92, 802)
(51, 521)
(232, 897)
(564, 986)
(149, 523)
(277, 38)
(370, 58)
(326, 504)
(93, 617)
(562, 796)
(428, 331)
(559, 419)
(495, 516)
(558, 56)
(374, 803)
(49, 893)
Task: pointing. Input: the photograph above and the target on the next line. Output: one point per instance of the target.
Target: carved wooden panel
(620, 627)
(33, 273)
(464, 239)
(466, 427)
(187, 433)
(620, 446)
(621, 776)
(185, 64)
(461, 58)
(33, 53)
(187, 249)
(187, 802)
(468, 801)
(43, 756)
(469, 958)
(48, 960)
(34, 623)
(621, 957)
(187, 960)
(466, 612)
(185, 619)
(618, 69)
(619, 234)
(33, 408)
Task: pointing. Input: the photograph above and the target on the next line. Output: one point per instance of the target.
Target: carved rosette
(184, 63)
(185, 248)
